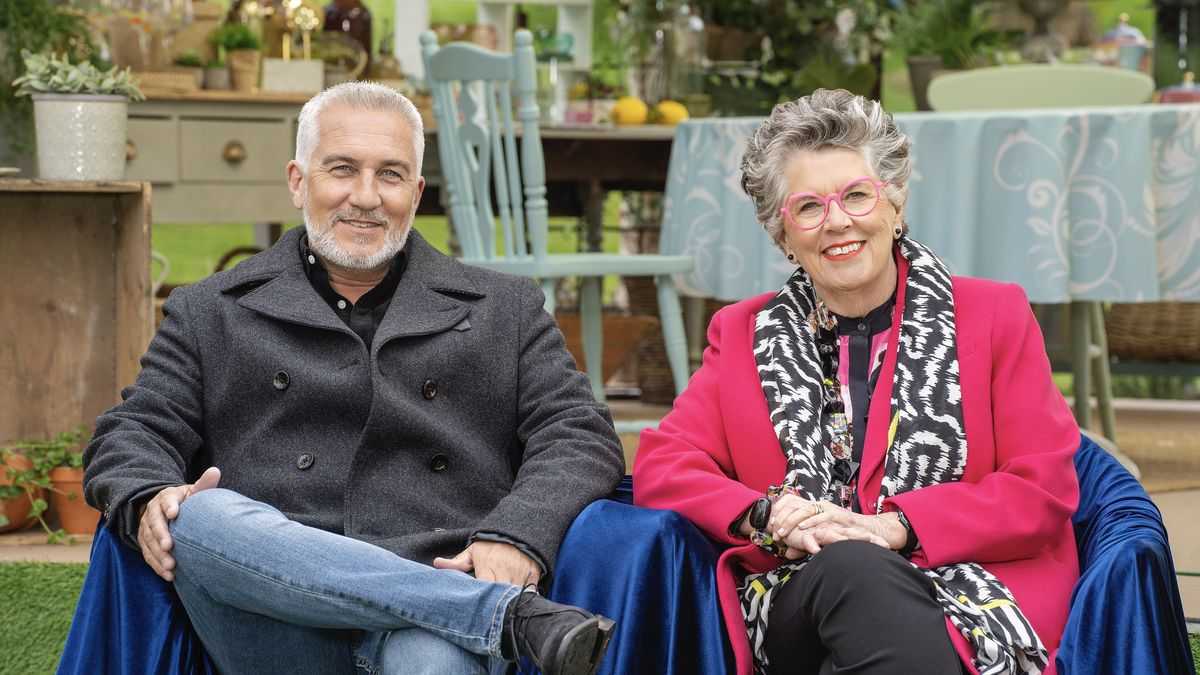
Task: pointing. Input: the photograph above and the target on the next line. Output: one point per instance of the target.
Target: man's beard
(321, 239)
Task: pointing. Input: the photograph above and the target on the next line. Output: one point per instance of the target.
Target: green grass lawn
(37, 601)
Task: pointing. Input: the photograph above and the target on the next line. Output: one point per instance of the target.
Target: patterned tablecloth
(1080, 204)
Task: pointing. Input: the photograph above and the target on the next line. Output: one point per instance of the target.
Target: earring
(791, 258)
(899, 232)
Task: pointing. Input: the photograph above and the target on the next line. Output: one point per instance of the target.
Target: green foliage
(39, 600)
(34, 25)
(57, 75)
(957, 31)
(189, 59)
(235, 35)
(44, 455)
(826, 71)
(1175, 387)
(808, 45)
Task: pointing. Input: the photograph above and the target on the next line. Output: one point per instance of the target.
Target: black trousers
(858, 608)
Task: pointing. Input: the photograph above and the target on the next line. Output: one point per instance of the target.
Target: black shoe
(560, 639)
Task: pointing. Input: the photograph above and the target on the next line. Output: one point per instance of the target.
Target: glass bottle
(386, 66)
(353, 19)
(689, 42)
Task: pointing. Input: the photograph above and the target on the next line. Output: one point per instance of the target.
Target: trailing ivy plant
(36, 26)
(44, 455)
(809, 44)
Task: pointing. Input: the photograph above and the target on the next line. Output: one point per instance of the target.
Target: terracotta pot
(74, 514)
(16, 510)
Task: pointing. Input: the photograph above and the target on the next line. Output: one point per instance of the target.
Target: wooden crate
(75, 305)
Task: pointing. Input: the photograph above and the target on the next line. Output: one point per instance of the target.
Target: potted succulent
(79, 116)
(241, 47)
(941, 35)
(54, 465)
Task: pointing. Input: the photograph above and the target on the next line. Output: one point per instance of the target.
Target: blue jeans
(267, 594)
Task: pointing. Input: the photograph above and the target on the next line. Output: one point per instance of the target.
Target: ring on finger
(818, 509)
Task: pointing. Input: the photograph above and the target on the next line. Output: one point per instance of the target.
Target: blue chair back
(472, 91)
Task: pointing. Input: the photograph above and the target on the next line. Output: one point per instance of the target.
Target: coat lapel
(421, 305)
(748, 412)
(279, 287)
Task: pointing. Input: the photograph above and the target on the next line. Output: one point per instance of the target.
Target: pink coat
(716, 453)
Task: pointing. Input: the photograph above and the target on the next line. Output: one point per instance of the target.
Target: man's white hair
(358, 96)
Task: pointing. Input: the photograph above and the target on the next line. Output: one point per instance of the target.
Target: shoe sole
(582, 649)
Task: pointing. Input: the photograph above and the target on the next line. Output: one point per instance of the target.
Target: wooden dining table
(583, 162)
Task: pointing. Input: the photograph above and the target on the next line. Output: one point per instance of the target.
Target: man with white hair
(352, 451)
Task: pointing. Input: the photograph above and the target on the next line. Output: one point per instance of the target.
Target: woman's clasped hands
(808, 526)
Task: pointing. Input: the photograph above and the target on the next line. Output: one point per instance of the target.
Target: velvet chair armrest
(129, 620)
(655, 574)
(1126, 613)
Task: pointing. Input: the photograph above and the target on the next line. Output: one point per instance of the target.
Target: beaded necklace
(843, 476)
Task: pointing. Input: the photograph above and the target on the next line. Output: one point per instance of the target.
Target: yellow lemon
(630, 110)
(670, 112)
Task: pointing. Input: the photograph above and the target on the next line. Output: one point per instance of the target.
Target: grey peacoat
(466, 415)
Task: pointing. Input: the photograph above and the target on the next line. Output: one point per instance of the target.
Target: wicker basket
(171, 81)
(1154, 331)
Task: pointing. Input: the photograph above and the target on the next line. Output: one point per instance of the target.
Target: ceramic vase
(80, 136)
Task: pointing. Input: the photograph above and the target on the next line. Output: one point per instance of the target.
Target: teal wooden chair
(495, 179)
(1056, 86)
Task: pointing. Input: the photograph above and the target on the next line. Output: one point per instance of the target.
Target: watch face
(760, 513)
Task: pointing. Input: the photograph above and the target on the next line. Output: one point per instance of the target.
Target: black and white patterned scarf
(926, 446)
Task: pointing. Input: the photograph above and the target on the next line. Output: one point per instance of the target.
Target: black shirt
(863, 374)
(364, 316)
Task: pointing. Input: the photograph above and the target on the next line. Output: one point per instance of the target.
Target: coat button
(281, 381)
(304, 461)
(439, 462)
(429, 389)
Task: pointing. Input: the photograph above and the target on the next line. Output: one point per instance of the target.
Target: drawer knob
(130, 150)
(234, 152)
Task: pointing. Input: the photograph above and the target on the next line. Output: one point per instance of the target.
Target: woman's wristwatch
(760, 513)
(910, 540)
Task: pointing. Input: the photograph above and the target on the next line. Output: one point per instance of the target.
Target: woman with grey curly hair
(825, 438)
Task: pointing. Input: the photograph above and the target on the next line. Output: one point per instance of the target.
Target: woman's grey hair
(358, 96)
(827, 118)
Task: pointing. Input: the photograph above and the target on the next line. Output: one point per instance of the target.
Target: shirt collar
(318, 276)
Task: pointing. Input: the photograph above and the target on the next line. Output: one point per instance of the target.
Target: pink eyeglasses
(808, 211)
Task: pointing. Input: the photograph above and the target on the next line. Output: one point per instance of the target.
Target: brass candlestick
(307, 19)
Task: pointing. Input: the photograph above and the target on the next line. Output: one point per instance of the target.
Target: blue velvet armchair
(654, 572)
